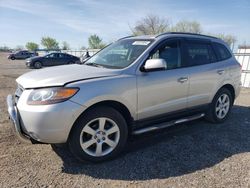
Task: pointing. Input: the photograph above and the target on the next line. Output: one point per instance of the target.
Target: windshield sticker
(142, 43)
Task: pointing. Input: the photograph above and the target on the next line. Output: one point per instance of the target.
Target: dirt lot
(195, 154)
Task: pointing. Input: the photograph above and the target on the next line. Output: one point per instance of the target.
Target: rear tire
(98, 135)
(220, 107)
(37, 65)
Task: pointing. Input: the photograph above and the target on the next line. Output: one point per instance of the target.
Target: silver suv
(134, 85)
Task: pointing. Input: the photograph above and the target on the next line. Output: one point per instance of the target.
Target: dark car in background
(52, 59)
(22, 54)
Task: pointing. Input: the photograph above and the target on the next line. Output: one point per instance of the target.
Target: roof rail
(186, 33)
(125, 37)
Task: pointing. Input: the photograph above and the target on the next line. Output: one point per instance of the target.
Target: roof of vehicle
(170, 34)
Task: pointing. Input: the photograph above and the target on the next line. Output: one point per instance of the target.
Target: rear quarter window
(221, 51)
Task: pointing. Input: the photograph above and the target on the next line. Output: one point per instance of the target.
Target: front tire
(98, 135)
(12, 58)
(37, 65)
(220, 107)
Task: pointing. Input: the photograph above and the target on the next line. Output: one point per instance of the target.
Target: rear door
(205, 74)
(64, 59)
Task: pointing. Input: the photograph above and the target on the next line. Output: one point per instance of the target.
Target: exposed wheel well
(231, 89)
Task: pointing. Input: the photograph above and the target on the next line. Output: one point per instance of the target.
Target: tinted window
(170, 52)
(199, 54)
(54, 55)
(221, 51)
(63, 56)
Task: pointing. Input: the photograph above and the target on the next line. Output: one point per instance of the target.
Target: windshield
(119, 54)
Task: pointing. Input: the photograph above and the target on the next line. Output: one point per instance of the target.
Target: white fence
(80, 53)
(243, 57)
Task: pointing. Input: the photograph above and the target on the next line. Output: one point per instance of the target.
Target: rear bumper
(15, 118)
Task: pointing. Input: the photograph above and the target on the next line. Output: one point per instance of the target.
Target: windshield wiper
(94, 65)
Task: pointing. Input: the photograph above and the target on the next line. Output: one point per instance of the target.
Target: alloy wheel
(222, 106)
(99, 137)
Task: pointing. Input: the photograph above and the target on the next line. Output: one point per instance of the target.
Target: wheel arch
(39, 61)
(230, 88)
(113, 104)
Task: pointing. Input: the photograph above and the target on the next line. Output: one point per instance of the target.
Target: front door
(164, 91)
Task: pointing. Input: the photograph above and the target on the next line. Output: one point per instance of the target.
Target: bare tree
(229, 39)
(65, 45)
(244, 45)
(151, 25)
(19, 47)
(188, 26)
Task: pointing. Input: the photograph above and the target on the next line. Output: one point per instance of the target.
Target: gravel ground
(194, 154)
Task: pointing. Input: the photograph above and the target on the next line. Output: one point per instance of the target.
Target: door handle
(220, 72)
(183, 79)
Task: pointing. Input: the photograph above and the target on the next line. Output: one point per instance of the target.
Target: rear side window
(199, 54)
(64, 56)
(221, 52)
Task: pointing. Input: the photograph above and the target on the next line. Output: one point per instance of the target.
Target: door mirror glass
(155, 64)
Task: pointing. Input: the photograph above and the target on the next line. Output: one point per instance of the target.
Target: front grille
(18, 93)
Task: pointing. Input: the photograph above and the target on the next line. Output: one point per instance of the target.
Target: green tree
(188, 26)
(65, 45)
(95, 42)
(49, 43)
(151, 25)
(31, 46)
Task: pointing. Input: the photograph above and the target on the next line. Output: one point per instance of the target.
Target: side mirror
(154, 65)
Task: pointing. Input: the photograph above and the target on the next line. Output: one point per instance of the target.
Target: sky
(74, 21)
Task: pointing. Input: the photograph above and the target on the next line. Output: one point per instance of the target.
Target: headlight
(51, 95)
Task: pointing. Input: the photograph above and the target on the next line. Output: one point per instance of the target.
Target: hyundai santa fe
(134, 85)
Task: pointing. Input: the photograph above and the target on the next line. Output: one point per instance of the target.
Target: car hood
(61, 75)
(33, 58)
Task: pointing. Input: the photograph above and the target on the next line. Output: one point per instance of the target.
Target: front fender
(121, 89)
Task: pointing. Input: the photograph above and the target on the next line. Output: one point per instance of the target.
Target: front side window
(170, 52)
(51, 55)
(119, 54)
(199, 54)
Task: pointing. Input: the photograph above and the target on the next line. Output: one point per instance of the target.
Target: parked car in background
(52, 59)
(22, 54)
(135, 85)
